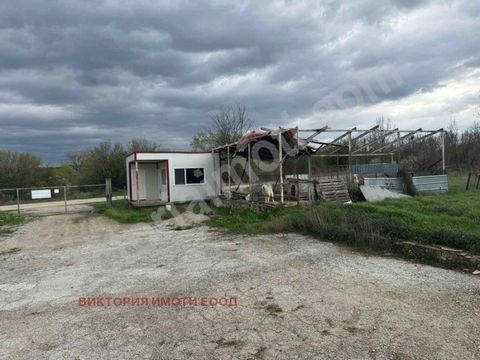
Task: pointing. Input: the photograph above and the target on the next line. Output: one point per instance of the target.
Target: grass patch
(457, 180)
(9, 219)
(124, 213)
(8, 222)
(451, 220)
(166, 215)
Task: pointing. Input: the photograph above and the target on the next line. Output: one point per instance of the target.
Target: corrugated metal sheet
(388, 169)
(431, 183)
(393, 184)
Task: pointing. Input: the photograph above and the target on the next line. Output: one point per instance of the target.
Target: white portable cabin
(160, 177)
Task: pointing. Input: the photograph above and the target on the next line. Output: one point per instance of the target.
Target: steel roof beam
(363, 134)
(399, 139)
(383, 136)
(423, 137)
(333, 142)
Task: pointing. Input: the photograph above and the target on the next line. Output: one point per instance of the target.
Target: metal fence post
(310, 184)
(108, 190)
(18, 201)
(65, 198)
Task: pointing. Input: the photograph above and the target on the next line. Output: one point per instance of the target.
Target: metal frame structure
(346, 144)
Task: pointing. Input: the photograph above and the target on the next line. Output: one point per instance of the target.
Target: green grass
(166, 215)
(457, 180)
(451, 219)
(124, 213)
(8, 221)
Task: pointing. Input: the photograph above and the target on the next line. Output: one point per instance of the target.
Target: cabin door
(142, 180)
(162, 172)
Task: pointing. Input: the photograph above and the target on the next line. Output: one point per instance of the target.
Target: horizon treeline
(107, 159)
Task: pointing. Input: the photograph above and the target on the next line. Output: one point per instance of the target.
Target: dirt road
(298, 298)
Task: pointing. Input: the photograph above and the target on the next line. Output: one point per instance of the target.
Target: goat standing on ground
(267, 191)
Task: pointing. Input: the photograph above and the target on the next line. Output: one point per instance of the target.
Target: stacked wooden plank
(333, 189)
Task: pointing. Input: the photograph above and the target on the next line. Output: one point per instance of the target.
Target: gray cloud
(75, 73)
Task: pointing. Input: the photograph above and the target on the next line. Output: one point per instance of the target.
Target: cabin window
(195, 175)
(189, 176)
(179, 176)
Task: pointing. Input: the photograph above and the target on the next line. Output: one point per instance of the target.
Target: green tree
(202, 142)
(107, 159)
(19, 169)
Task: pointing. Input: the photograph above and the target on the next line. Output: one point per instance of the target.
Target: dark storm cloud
(74, 73)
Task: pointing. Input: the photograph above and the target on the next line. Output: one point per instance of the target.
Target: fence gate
(55, 199)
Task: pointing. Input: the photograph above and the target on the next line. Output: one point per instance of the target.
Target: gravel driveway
(298, 298)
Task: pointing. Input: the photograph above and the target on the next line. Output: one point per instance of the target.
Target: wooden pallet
(333, 189)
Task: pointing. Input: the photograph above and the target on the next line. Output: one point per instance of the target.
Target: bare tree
(76, 159)
(470, 146)
(377, 138)
(228, 125)
(452, 143)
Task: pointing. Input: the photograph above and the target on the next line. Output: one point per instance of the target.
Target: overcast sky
(74, 73)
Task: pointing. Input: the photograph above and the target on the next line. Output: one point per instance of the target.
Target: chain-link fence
(55, 199)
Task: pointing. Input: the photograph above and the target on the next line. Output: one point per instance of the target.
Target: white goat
(267, 191)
